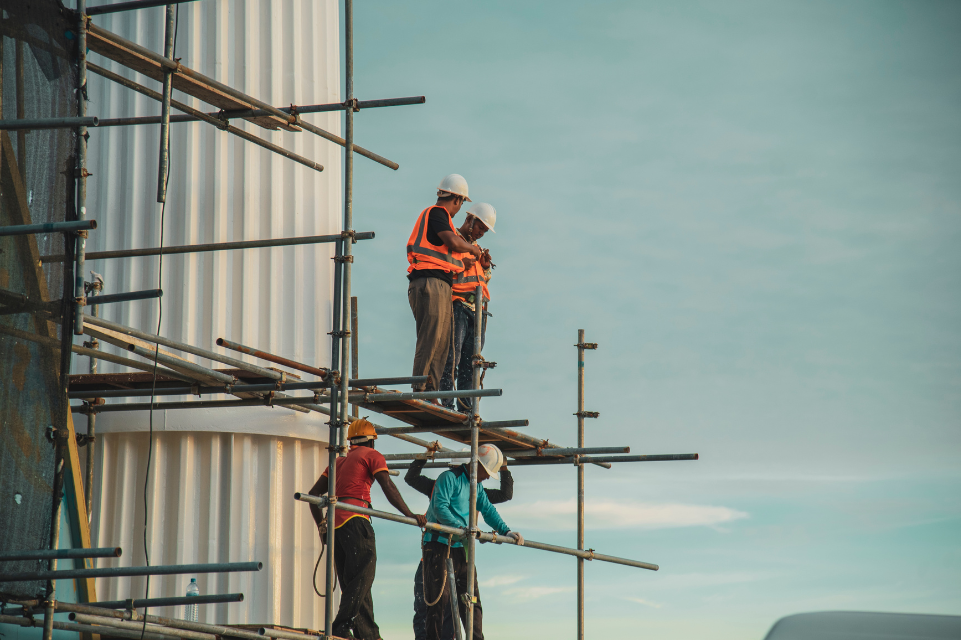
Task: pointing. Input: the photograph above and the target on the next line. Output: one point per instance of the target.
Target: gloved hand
(518, 537)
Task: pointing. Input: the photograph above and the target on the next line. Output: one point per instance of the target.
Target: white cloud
(646, 603)
(522, 594)
(617, 514)
(501, 581)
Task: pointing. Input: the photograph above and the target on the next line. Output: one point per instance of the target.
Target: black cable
(153, 386)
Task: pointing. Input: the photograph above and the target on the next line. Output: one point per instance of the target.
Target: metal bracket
(349, 234)
(352, 104)
(586, 345)
(83, 439)
(339, 334)
(338, 449)
(587, 414)
(349, 258)
(93, 344)
(81, 300)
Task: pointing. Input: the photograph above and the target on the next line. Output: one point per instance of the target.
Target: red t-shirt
(355, 474)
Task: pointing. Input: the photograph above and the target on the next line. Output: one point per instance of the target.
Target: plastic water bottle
(191, 612)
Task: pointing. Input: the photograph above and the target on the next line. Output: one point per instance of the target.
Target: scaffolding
(337, 392)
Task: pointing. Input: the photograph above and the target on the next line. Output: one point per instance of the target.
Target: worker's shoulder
(370, 454)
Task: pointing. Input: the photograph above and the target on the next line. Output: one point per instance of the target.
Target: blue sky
(754, 208)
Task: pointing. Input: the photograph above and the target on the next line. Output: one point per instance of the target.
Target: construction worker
(459, 368)
(355, 549)
(425, 485)
(436, 253)
(449, 506)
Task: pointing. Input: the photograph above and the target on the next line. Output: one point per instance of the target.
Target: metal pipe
(80, 628)
(148, 294)
(269, 357)
(577, 460)
(186, 348)
(71, 226)
(163, 168)
(175, 623)
(354, 355)
(568, 451)
(422, 395)
(580, 483)
(432, 429)
(331, 106)
(49, 123)
(474, 440)
(168, 602)
(81, 173)
(240, 133)
(280, 633)
(175, 362)
(96, 288)
(60, 445)
(138, 626)
(587, 554)
(60, 554)
(127, 362)
(375, 382)
(121, 572)
(215, 246)
(454, 604)
(130, 6)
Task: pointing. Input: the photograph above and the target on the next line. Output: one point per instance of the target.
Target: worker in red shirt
(355, 550)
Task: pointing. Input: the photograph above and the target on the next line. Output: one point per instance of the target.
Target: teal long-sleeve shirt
(449, 505)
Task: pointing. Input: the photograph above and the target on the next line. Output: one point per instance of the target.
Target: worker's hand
(518, 537)
(468, 262)
(485, 259)
(475, 251)
(421, 520)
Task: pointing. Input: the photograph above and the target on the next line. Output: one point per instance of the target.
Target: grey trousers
(430, 300)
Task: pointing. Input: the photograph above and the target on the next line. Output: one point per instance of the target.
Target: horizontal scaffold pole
(123, 572)
(523, 462)
(213, 246)
(393, 431)
(48, 227)
(587, 554)
(270, 357)
(60, 554)
(49, 123)
(229, 128)
(81, 628)
(175, 623)
(168, 602)
(136, 627)
(130, 6)
(356, 397)
(514, 454)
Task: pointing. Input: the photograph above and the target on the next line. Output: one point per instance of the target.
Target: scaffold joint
(586, 345)
(342, 259)
(588, 414)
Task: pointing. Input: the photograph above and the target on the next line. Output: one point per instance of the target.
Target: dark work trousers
(355, 555)
(420, 610)
(435, 565)
(430, 301)
(460, 366)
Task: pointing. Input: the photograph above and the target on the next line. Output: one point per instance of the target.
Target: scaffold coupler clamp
(586, 345)
(342, 259)
(350, 233)
(587, 414)
(353, 104)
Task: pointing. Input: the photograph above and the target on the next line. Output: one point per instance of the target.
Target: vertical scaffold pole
(78, 291)
(580, 484)
(96, 287)
(48, 609)
(340, 346)
(164, 165)
(354, 348)
(474, 435)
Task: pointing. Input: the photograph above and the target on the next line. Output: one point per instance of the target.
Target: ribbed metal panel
(214, 497)
(215, 494)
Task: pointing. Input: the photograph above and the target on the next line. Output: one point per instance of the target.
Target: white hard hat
(454, 184)
(491, 458)
(485, 213)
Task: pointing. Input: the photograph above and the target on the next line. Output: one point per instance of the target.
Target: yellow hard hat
(361, 429)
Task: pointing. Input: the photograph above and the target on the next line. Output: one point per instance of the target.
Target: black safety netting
(38, 55)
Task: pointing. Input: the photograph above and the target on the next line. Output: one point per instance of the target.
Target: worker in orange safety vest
(459, 368)
(436, 254)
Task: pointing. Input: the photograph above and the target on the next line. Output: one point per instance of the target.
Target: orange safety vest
(465, 283)
(421, 254)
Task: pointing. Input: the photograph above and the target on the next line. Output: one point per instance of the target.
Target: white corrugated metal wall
(222, 481)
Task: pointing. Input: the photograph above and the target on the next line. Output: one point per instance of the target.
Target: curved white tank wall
(215, 497)
(221, 189)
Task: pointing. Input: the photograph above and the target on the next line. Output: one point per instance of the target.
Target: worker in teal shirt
(449, 505)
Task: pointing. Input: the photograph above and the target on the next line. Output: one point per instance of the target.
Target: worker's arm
(491, 517)
(319, 489)
(455, 243)
(506, 492)
(394, 497)
(417, 480)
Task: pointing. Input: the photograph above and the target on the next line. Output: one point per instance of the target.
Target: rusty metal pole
(81, 246)
(474, 435)
(95, 287)
(164, 164)
(354, 340)
(49, 604)
(580, 484)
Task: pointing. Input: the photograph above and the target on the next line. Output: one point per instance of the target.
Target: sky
(755, 209)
